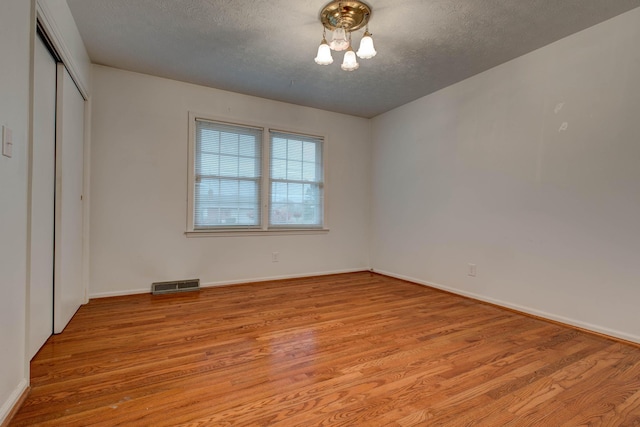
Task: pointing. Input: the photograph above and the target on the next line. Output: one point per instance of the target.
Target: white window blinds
(227, 176)
(296, 181)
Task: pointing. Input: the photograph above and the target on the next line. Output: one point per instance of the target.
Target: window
(227, 176)
(296, 184)
(228, 190)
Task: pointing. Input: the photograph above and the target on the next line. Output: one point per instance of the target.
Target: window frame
(264, 227)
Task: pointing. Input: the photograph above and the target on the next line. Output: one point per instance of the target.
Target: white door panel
(42, 199)
(69, 289)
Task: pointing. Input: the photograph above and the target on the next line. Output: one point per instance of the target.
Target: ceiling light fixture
(343, 18)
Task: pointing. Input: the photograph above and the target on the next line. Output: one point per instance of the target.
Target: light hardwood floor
(345, 350)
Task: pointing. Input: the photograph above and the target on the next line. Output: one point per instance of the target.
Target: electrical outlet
(472, 270)
(275, 256)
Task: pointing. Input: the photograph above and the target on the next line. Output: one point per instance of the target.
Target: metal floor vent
(175, 286)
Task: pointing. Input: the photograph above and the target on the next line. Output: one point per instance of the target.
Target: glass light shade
(339, 40)
(350, 62)
(366, 50)
(324, 54)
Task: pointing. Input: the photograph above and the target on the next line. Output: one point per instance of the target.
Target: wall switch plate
(472, 270)
(275, 256)
(7, 142)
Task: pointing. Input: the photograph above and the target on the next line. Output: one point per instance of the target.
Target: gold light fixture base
(350, 15)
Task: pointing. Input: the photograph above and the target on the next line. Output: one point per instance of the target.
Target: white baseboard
(230, 282)
(529, 310)
(13, 399)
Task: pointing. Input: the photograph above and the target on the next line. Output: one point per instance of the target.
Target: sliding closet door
(42, 199)
(69, 290)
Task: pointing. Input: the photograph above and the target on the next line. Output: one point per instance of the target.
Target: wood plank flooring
(354, 349)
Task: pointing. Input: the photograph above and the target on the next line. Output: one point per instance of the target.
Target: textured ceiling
(266, 48)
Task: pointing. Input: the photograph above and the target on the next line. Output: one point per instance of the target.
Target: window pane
(206, 191)
(279, 192)
(229, 166)
(210, 141)
(228, 143)
(294, 170)
(294, 193)
(312, 194)
(278, 169)
(247, 193)
(278, 148)
(247, 167)
(228, 191)
(294, 150)
(208, 164)
(247, 146)
(309, 152)
(308, 171)
(296, 204)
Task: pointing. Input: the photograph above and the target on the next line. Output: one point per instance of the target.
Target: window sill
(254, 232)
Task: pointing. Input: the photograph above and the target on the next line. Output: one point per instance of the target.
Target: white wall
(139, 188)
(529, 170)
(15, 27)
